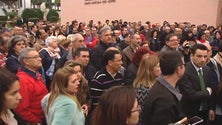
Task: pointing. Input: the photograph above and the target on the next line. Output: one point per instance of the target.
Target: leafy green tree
(49, 4)
(32, 15)
(3, 19)
(52, 16)
(12, 15)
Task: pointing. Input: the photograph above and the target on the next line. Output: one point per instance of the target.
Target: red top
(32, 91)
(90, 42)
(2, 59)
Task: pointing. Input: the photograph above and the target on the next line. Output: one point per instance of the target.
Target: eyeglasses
(138, 109)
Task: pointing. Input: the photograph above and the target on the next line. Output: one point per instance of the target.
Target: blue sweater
(63, 111)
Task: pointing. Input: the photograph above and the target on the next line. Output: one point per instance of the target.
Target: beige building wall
(194, 11)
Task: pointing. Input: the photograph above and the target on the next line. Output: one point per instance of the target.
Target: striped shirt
(101, 82)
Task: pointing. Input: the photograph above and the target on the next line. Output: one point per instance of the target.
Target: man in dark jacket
(82, 56)
(104, 43)
(195, 85)
(163, 102)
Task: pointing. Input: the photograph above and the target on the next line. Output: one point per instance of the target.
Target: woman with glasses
(117, 106)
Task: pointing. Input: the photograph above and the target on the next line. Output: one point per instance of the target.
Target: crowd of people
(116, 73)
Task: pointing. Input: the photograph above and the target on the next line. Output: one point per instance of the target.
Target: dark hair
(7, 79)
(109, 55)
(204, 25)
(169, 61)
(215, 33)
(12, 42)
(38, 32)
(170, 35)
(201, 33)
(32, 26)
(220, 46)
(114, 106)
(80, 49)
(194, 48)
(153, 31)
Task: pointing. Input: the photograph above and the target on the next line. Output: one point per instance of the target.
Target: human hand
(211, 115)
(182, 120)
(85, 109)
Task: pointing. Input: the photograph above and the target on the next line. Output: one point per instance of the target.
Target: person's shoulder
(158, 89)
(11, 57)
(43, 51)
(98, 45)
(44, 101)
(189, 67)
(91, 68)
(37, 43)
(63, 100)
(131, 67)
(126, 49)
(21, 74)
(97, 49)
(160, 94)
(100, 74)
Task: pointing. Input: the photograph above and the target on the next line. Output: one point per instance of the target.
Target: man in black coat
(105, 41)
(197, 98)
(163, 102)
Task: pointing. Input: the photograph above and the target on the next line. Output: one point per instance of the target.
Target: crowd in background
(91, 73)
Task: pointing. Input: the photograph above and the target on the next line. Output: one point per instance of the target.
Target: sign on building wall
(155, 11)
(92, 2)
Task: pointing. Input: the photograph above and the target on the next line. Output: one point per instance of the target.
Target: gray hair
(24, 54)
(12, 42)
(103, 30)
(49, 40)
(73, 37)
